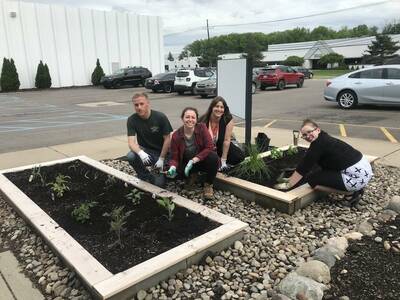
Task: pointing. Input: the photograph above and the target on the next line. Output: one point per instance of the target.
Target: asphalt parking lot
(32, 119)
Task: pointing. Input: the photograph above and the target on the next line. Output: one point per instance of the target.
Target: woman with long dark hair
(192, 150)
(219, 122)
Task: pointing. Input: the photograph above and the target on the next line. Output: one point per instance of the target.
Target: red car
(279, 76)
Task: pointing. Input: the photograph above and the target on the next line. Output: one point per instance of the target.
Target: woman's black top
(330, 154)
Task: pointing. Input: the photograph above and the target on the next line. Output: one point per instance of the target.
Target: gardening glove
(171, 173)
(282, 186)
(224, 166)
(188, 167)
(159, 164)
(146, 159)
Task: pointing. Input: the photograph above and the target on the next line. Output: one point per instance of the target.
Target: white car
(379, 85)
(186, 79)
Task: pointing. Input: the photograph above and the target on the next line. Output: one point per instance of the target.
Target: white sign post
(234, 85)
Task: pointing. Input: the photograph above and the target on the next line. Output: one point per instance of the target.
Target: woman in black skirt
(343, 169)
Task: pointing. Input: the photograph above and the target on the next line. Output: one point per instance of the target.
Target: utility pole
(208, 32)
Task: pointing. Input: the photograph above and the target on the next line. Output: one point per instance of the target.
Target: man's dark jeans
(137, 164)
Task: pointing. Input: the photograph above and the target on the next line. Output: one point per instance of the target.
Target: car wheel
(203, 96)
(180, 92)
(300, 82)
(167, 88)
(253, 88)
(116, 84)
(281, 85)
(262, 87)
(347, 99)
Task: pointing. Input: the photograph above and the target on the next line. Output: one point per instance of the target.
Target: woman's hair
(227, 114)
(309, 122)
(190, 108)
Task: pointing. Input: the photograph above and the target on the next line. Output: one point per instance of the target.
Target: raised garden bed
(114, 260)
(261, 189)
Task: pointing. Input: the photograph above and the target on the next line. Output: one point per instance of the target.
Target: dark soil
(147, 231)
(286, 164)
(373, 272)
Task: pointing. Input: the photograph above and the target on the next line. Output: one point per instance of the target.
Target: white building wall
(70, 39)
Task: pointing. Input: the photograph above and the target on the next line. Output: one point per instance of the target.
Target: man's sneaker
(208, 191)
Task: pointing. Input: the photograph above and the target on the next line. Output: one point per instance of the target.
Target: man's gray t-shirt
(150, 132)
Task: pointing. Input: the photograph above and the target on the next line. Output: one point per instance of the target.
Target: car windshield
(120, 71)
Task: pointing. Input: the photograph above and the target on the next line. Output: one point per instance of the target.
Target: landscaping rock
(353, 236)
(338, 242)
(394, 204)
(141, 295)
(279, 297)
(316, 270)
(293, 284)
(365, 228)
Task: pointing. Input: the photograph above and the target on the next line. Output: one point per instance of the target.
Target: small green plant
(293, 150)
(59, 186)
(135, 196)
(110, 180)
(36, 175)
(253, 166)
(117, 223)
(276, 153)
(169, 205)
(82, 213)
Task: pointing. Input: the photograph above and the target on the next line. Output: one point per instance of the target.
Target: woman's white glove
(223, 166)
(146, 159)
(159, 164)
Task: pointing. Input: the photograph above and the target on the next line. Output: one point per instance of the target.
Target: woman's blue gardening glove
(171, 173)
(188, 167)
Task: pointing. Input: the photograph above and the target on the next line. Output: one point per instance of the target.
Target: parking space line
(388, 135)
(342, 130)
(270, 123)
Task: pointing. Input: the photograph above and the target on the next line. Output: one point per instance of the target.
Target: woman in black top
(219, 122)
(343, 169)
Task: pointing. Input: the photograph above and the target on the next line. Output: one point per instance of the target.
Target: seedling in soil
(276, 153)
(135, 196)
(253, 166)
(82, 213)
(293, 150)
(59, 187)
(110, 180)
(169, 206)
(36, 175)
(117, 223)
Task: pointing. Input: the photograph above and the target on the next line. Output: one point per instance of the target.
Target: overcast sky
(180, 17)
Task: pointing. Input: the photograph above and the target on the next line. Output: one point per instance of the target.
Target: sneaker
(208, 191)
(354, 198)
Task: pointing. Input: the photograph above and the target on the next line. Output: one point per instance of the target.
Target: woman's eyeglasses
(305, 134)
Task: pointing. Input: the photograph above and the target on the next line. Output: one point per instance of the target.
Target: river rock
(294, 284)
(141, 295)
(394, 204)
(353, 236)
(365, 228)
(338, 242)
(316, 270)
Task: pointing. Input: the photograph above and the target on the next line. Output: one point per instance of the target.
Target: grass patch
(329, 73)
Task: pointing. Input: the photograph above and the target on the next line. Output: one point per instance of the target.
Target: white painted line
(270, 123)
(342, 130)
(388, 135)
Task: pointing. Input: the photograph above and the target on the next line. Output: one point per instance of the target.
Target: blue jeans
(137, 164)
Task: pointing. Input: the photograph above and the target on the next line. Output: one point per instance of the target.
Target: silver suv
(186, 79)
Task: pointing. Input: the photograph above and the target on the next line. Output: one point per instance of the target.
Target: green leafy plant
(135, 196)
(36, 175)
(293, 150)
(59, 186)
(82, 213)
(110, 180)
(253, 166)
(168, 205)
(117, 223)
(276, 153)
(97, 73)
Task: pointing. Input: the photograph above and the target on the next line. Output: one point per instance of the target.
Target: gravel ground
(251, 269)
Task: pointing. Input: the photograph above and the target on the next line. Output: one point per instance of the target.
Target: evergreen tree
(97, 73)
(42, 79)
(47, 76)
(381, 49)
(9, 80)
(170, 57)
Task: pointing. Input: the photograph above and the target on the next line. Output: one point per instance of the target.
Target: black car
(126, 76)
(307, 72)
(161, 82)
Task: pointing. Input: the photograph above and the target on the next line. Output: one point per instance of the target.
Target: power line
(283, 20)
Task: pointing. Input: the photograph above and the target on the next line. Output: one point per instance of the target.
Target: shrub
(97, 73)
(9, 80)
(294, 61)
(42, 79)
